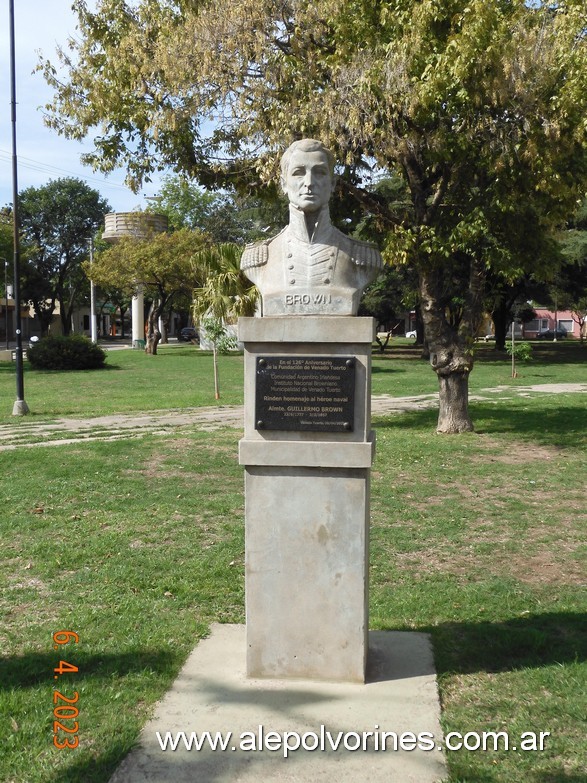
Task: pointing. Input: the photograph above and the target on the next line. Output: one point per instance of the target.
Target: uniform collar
(298, 226)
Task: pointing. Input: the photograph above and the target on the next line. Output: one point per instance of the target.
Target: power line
(46, 168)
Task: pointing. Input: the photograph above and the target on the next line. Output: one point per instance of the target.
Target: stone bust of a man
(310, 268)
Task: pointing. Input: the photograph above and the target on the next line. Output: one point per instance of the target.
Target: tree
(226, 293)
(478, 106)
(57, 222)
(120, 301)
(6, 249)
(570, 285)
(388, 298)
(161, 263)
(224, 217)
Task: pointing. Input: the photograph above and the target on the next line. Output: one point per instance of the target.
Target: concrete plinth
(307, 507)
(306, 572)
(212, 693)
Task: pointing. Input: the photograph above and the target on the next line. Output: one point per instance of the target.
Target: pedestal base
(306, 572)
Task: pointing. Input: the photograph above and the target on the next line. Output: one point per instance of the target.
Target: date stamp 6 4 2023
(65, 713)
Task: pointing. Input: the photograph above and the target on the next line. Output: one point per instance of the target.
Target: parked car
(548, 334)
(413, 333)
(489, 337)
(188, 334)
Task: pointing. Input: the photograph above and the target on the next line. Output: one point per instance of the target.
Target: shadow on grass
(562, 427)
(8, 369)
(97, 768)
(424, 420)
(531, 641)
(377, 370)
(549, 353)
(25, 671)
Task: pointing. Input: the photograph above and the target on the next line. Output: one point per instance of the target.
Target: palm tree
(225, 295)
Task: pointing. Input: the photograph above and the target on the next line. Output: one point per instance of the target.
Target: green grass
(138, 544)
(401, 372)
(132, 381)
(182, 377)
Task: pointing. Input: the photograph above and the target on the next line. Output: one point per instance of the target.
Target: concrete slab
(213, 694)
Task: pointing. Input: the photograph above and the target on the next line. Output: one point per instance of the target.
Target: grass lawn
(177, 377)
(137, 545)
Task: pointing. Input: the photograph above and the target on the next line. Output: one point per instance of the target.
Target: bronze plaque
(305, 393)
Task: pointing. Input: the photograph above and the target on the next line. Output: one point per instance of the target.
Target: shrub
(521, 351)
(66, 353)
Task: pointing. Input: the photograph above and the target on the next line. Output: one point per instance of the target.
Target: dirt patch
(517, 453)
(29, 584)
(544, 567)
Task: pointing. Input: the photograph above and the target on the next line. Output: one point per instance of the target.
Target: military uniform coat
(310, 268)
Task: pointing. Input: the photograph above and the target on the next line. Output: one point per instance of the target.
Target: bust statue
(310, 268)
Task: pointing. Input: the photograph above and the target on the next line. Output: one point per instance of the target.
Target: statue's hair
(307, 145)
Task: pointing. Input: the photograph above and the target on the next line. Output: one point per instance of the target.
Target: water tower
(140, 225)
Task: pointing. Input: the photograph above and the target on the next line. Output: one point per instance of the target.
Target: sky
(43, 155)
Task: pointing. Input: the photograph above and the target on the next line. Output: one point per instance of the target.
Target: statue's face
(308, 182)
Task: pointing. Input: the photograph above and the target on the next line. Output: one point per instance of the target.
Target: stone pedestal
(307, 496)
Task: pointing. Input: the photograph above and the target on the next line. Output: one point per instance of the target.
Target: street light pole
(93, 321)
(20, 407)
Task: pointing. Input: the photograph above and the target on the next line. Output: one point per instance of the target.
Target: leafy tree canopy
(213, 88)
(224, 217)
(57, 222)
(161, 262)
(6, 248)
(480, 107)
(226, 292)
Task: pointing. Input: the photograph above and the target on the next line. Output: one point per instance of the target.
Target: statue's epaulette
(255, 254)
(365, 254)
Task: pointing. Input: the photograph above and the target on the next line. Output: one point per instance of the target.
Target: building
(546, 319)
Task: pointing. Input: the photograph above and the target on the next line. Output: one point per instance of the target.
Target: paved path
(26, 432)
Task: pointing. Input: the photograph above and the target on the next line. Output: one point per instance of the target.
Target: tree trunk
(500, 315)
(45, 317)
(215, 362)
(153, 333)
(420, 337)
(122, 314)
(164, 330)
(451, 356)
(453, 414)
(65, 322)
